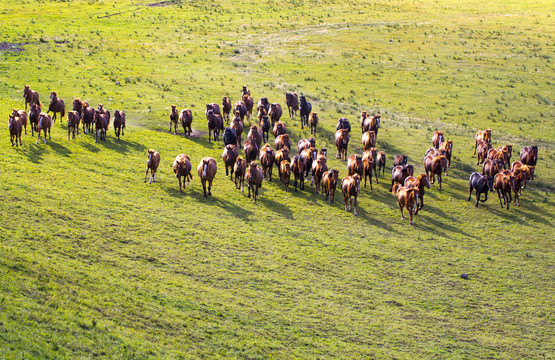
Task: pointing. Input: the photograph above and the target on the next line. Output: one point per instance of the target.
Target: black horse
(482, 184)
(265, 126)
(305, 110)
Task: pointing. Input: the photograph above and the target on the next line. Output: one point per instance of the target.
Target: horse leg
(499, 196)
(210, 187)
(204, 186)
(355, 208)
(146, 173)
(410, 215)
(470, 193)
(439, 180)
(179, 178)
(249, 187)
(295, 183)
(345, 198)
(401, 208)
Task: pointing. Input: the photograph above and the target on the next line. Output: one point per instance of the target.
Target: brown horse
(267, 158)
(87, 115)
(250, 147)
(152, 164)
(503, 156)
(279, 129)
(237, 125)
(275, 112)
(226, 108)
(240, 109)
(22, 117)
(292, 101)
(182, 168)
(483, 147)
(45, 123)
(101, 125)
(319, 167)
(73, 119)
(370, 123)
(482, 135)
(34, 114)
(400, 173)
(207, 171)
(119, 123)
(249, 104)
(372, 155)
(400, 160)
(56, 106)
(308, 155)
(214, 107)
(245, 91)
(282, 154)
(446, 148)
(350, 186)
(421, 182)
(282, 141)
(263, 102)
(342, 143)
(240, 169)
(407, 197)
(528, 169)
(368, 164)
(255, 134)
(369, 140)
(262, 111)
(265, 127)
(306, 144)
(254, 179)
(437, 138)
(78, 105)
(509, 149)
(529, 155)
(285, 173)
(435, 166)
(174, 117)
(313, 122)
(186, 120)
(329, 183)
(31, 97)
(229, 156)
(214, 122)
(101, 110)
(491, 167)
(298, 167)
(14, 125)
(380, 162)
(503, 185)
(355, 165)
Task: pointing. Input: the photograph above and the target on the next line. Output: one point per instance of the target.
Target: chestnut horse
(329, 183)
(229, 156)
(152, 164)
(254, 179)
(435, 165)
(207, 171)
(503, 185)
(279, 129)
(355, 165)
(482, 135)
(313, 122)
(407, 197)
(483, 148)
(240, 170)
(437, 138)
(255, 134)
(292, 101)
(282, 141)
(285, 173)
(186, 120)
(369, 140)
(56, 106)
(350, 186)
(31, 97)
(400, 160)
(421, 182)
(529, 155)
(319, 167)
(368, 164)
(119, 123)
(492, 167)
(282, 154)
(306, 144)
(342, 143)
(380, 162)
(45, 123)
(182, 168)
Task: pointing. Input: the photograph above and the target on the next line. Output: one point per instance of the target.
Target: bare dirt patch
(12, 46)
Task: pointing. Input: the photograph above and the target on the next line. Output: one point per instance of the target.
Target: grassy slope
(95, 262)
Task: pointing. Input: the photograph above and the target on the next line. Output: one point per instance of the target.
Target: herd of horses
(309, 161)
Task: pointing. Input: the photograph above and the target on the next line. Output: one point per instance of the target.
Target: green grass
(95, 263)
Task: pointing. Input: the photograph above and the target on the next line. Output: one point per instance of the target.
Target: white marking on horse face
(205, 166)
(51, 97)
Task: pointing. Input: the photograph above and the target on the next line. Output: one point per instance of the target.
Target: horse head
(356, 178)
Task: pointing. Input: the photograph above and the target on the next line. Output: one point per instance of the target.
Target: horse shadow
(373, 220)
(59, 148)
(276, 207)
(35, 153)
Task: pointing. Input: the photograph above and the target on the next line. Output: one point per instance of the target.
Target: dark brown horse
(319, 167)
(87, 116)
(255, 133)
(151, 163)
(313, 122)
(186, 119)
(34, 114)
(292, 101)
(237, 125)
(298, 167)
(214, 122)
(240, 169)
(45, 123)
(250, 147)
(56, 106)
(101, 125)
(279, 129)
(249, 104)
(14, 125)
(380, 162)
(245, 91)
(206, 170)
(229, 156)
(329, 183)
(226, 108)
(182, 168)
(400, 160)
(101, 110)
(22, 115)
(31, 97)
(282, 141)
(400, 173)
(267, 158)
(73, 119)
(174, 117)
(482, 147)
(529, 155)
(275, 113)
(350, 186)
(240, 109)
(254, 179)
(119, 123)
(265, 126)
(436, 166)
(306, 144)
(78, 105)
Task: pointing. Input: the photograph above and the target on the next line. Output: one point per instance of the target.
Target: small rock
(464, 276)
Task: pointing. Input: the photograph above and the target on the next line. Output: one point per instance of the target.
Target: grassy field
(95, 263)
